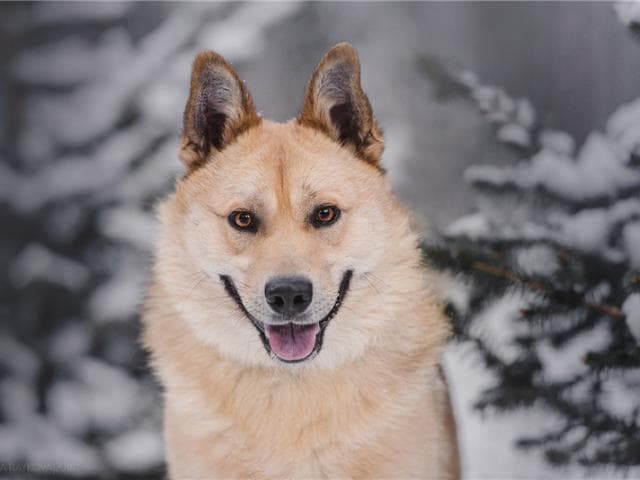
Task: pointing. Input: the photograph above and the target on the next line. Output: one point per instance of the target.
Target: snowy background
(91, 97)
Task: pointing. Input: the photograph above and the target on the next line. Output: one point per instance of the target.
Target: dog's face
(281, 240)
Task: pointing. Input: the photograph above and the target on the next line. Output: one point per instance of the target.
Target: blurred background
(484, 105)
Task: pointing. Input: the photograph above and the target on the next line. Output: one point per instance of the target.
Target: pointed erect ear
(218, 110)
(335, 104)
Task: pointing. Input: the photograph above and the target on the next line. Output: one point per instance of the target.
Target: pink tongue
(291, 341)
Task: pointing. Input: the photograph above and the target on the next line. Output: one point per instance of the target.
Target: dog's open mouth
(291, 342)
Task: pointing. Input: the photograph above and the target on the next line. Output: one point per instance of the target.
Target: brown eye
(244, 221)
(325, 215)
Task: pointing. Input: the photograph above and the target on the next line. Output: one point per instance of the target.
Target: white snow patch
(128, 224)
(590, 230)
(496, 325)
(494, 103)
(84, 113)
(472, 226)
(620, 392)
(64, 13)
(525, 114)
(514, 134)
(76, 175)
(241, 35)
(537, 260)
(399, 145)
(73, 60)
(155, 173)
(120, 296)
(631, 308)
(566, 362)
(70, 342)
(597, 172)
(458, 293)
(101, 396)
(587, 230)
(36, 262)
(599, 293)
(628, 12)
(135, 451)
(624, 126)
(557, 141)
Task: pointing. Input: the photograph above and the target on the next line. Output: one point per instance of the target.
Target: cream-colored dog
(290, 319)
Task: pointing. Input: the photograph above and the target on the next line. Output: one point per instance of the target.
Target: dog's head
(283, 243)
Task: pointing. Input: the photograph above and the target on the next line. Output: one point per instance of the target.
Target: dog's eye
(324, 215)
(243, 220)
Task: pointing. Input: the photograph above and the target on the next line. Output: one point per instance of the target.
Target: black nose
(288, 295)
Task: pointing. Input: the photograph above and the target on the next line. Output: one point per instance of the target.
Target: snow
(568, 361)
(73, 60)
(484, 440)
(590, 230)
(628, 12)
(72, 119)
(76, 175)
(241, 36)
(557, 141)
(525, 114)
(128, 224)
(514, 117)
(631, 308)
(624, 126)
(620, 393)
(136, 451)
(472, 226)
(599, 293)
(587, 230)
(100, 396)
(594, 212)
(47, 14)
(514, 134)
(496, 324)
(160, 168)
(537, 260)
(598, 171)
(70, 342)
(494, 102)
(458, 293)
(36, 262)
(121, 295)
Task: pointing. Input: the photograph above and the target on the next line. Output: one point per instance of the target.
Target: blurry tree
(549, 275)
(95, 94)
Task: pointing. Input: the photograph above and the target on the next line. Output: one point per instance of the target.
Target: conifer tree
(550, 271)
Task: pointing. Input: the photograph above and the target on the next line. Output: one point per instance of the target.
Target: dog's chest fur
(371, 418)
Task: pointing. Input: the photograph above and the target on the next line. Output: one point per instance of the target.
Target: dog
(290, 318)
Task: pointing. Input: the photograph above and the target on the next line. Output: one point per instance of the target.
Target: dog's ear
(335, 104)
(218, 110)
